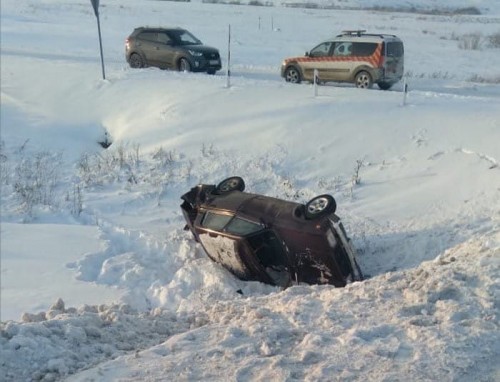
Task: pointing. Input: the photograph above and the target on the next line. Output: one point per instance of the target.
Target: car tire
(320, 206)
(384, 85)
(292, 75)
(234, 183)
(136, 61)
(211, 71)
(184, 65)
(363, 80)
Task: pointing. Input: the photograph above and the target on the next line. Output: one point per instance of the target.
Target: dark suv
(270, 240)
(170, 48)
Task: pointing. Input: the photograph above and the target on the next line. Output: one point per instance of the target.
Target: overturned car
(270, 240)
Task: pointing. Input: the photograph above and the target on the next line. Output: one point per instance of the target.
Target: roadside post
(315, 82)
(228, 73)
(405, 91)
(95, 5)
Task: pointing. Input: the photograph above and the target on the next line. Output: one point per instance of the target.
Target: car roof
(166, 29)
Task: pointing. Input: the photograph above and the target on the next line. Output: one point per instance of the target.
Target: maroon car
(270, 240)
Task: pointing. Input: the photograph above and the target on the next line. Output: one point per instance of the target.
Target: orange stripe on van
(374, 60)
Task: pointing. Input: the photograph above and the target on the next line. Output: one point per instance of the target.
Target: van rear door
(393, 60)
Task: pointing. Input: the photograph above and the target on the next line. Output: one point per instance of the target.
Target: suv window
(148, 36)
(395, 49)
(183, 37)
(364, 48)
(163, 38)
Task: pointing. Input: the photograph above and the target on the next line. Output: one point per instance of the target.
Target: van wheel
(363, 80)
(319, 206)
(292, 75)
(384, 85)
(234, 183)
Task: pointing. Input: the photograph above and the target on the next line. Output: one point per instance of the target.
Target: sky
(100, 282)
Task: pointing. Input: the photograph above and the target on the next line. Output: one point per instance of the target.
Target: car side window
(342, 49)
(322, 50)
(215, 221)
(242, 227)
(230, 224)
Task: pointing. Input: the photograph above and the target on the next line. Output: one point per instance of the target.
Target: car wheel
(363, 80)
(292, 75)
(136, 61)
(211, 71)
(384, 85)
(234, 183)
(319, 206)
(184, 65)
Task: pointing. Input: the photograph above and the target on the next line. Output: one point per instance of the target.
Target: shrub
(470, 41)
(494, 40)
(35, 179)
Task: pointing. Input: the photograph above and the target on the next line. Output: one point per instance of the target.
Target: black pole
(100, 45)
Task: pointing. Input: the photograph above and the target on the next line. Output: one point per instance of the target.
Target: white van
(353, 56)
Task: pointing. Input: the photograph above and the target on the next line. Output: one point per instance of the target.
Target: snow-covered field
(100, 282)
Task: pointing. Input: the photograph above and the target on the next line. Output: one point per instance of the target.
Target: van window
(342, 49)
(395, 49)
(364, 48)
(321, 50)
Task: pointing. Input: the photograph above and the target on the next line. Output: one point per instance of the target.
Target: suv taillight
(127, 43)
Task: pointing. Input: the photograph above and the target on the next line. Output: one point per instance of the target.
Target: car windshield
(183, 37)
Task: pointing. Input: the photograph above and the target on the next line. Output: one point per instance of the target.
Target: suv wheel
(184, 65)
(136, 61)
(363, 80)
(319, 206)
(292, 75)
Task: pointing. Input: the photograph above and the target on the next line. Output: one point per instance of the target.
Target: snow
(100, 282)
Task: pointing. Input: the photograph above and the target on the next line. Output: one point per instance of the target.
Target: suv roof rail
(357, 32)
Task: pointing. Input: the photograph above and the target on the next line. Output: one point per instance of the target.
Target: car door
(317, 58)
(220, 246)
(341, 63)
(165, 53)
(146, 44)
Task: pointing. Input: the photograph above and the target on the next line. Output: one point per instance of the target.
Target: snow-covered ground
(100, 282)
